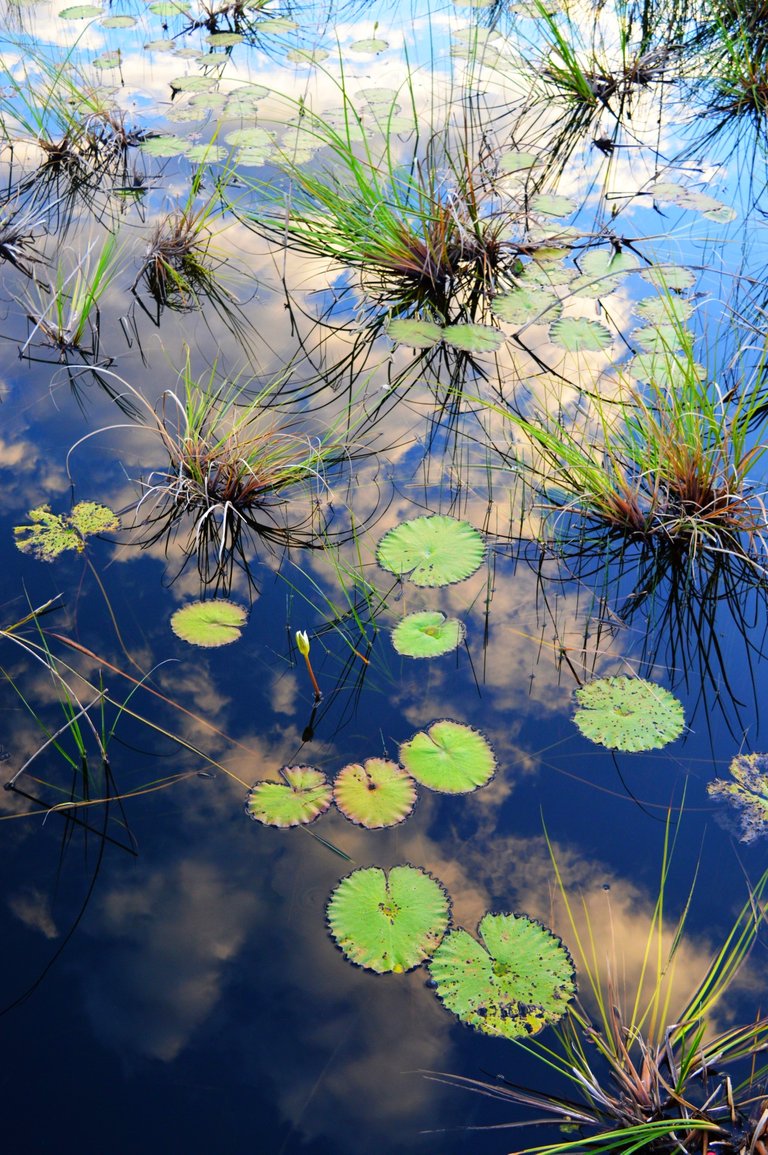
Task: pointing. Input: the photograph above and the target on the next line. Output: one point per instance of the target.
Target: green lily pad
(608, 262)
(81, 12)
(375, 793)
(659, 338)
(664, 310)
(388, 924)
(417, 334)
(250, 138)
(748, 792)
(473, 338)
(667, 370)
(553, 206)
(372, 45)
(578, 334)
(672, 277)
(518, 161)
(434, 550)
(523, 306)
(517, 981)
(224, 39)
(628, 713)
(427, 634)
(118, 22)
(449, 757)
(166, 144)
(304, 794)
(50, 534)
(211, 623)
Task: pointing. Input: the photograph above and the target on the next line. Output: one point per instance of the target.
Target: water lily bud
(302, 642)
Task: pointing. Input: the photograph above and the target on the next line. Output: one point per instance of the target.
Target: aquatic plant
(747, 792)
(434, 550)
(667, 462)
(302, 796)
(375, 793)
(65, 313)
(212, 623)
(233, 456)
(49, 534)
(427, 634)
(628, 713)
(449, 757)
(302, 645)
(388, 923)
(643, 1075)
(517, 980)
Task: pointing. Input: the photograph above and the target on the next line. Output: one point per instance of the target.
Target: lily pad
(417, 334)
(372, 45)
(747, 792)
(433, 550)
(50, 534)
(304, 794)
(473, 338)
(628, 713)
(388, 924)
(165, 144)
(669, 277)
(375, 793)
(518, 161)
(553, 206)
(427, 634)
(664, 310)
(449, 757)
(519, 979)
(659, 338)
(211, 623)
(81, 12)
(524, 306)
(579, 334)
(667, 370)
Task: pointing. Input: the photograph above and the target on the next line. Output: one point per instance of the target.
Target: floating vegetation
(213, 623)
(516, 981)
(449, 757)
(374, 794)
(432, 551)
(747, 792)
(628, 714)
(388, 923)
(302, 796)
(427, 634)
(50, 534)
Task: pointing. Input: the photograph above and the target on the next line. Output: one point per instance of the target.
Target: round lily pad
(473, 338)
(628, 713)
(166, 144)
(304, 794)
(211, 623)
(417, 334)
(81, 12)
(664, 310)
(659, 338)
(449, 757)
(372, 45)
(525, 305)
(518, 161)
(434, 550)
(519, 979)
(427, 634)
(669, 277)
(577, 334)
(388, 924)
(375, 793)
(553, 206)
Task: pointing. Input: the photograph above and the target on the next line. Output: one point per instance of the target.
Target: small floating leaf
(449, 757)
(669, 277)
(473, 338)
(664, 310)
(553, 206)
(608, 262)
(577, 334)
(628, 713)
(166, 144)
(224, 39)
(518, 161)
(748, 792)
(372, 45)
(50, 534)
(375, 794)
(666, 370)
(427, 634)
(118, 22)
(434, 550)
(659, 338)
(388, 924)
(301, 798)
(211, 623)
(81, 12)
(417, 334)
(517, 981)
(524, 306)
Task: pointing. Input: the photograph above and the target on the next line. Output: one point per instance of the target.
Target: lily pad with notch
(628, 713)
(449, 757)
(302, 796)
(388, 923)
(517, 980)
(375, 793)
(579, 334)
(427, 634)
(434, 550)
(213, 623)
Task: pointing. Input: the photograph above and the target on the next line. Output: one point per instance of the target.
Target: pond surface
(275, 281)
